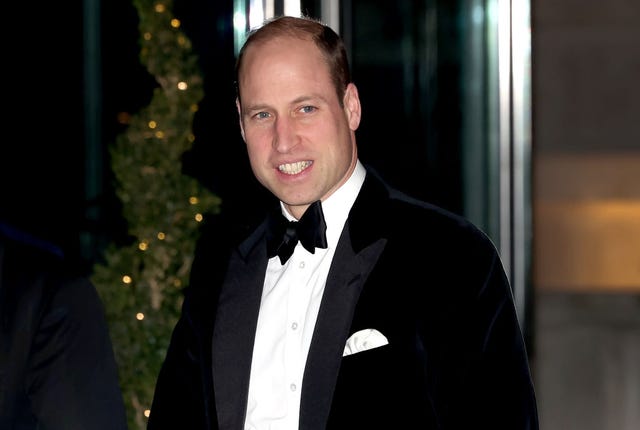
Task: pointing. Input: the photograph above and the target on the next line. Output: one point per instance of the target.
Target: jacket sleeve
(498, 390)
(183, 394)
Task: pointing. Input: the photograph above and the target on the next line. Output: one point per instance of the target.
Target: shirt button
(301, 265)
(293, 387)
(294, 326)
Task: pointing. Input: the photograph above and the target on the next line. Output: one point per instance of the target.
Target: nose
(285, 135)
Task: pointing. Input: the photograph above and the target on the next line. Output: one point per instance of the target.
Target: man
(401, 317)
(57, 367)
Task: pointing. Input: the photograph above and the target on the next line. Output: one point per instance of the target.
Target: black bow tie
(283, 235)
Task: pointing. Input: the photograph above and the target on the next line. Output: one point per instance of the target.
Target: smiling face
(300, 138)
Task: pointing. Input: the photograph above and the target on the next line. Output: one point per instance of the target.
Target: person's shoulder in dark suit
(57, 365)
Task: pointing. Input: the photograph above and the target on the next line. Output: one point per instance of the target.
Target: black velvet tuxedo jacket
(429, 281)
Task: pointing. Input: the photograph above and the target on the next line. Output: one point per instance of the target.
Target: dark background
(408, 131)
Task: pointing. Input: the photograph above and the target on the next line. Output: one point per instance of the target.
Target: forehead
(282, 53)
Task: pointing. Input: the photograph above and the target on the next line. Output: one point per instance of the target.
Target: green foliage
(140, 284)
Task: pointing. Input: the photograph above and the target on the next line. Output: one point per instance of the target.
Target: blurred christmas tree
(141, 283)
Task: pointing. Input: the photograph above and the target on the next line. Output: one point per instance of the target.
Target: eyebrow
(312, 97)
(254, 108)
(301, 99)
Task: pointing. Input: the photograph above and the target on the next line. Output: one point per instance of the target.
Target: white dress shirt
(288, 311)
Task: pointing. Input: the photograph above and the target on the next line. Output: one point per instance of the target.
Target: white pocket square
(363, 340)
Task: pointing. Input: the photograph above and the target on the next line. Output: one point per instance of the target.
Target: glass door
(445, 88)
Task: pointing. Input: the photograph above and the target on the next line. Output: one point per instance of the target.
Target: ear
(352, 107)
(239, 109)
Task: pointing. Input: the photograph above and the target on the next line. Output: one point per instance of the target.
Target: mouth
(294, 168)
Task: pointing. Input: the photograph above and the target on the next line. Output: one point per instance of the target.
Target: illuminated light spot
(193, 200)
(152, 124)
(160, 8)
(159, 134)
(292, 8)
(143, 246)
(198, 217)
(139, 316)
(147, 412)
(161, 235)
(182, 85)
(175, 23)
(147, 36)
(126, 279)
(239, 21)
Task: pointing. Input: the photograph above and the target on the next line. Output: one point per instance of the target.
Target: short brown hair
(328, 41)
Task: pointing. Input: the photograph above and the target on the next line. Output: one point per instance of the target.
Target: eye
(308, 109)
(261, 115)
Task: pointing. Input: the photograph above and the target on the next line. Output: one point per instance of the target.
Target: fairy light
(155, 134)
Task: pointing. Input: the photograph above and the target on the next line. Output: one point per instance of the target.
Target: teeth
(294, 168)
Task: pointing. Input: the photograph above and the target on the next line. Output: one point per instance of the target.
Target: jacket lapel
(234, 331)
(358, 250)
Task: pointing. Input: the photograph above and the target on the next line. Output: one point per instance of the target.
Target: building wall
(587, 222)
(586, 211)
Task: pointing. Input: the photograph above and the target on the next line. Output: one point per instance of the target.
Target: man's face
(300, 139)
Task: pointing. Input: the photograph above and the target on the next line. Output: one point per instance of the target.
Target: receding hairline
(280, 27)
(326, 40)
